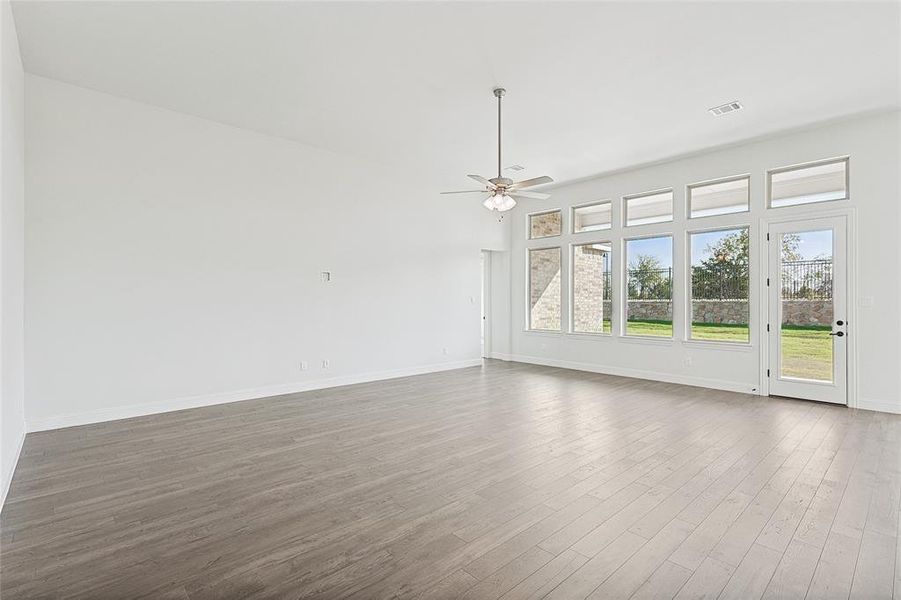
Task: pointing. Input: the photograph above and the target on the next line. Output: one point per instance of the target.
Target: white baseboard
(8, 477)
(716, 384)
(140, 410)
(879, 405)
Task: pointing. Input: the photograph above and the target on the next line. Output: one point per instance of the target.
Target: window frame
(627, 198)
(624, 292)
(800, 166)
(563, 285)
(730, 178)
(571, 288)
(688, 285)
(572, 218)
(538, 214)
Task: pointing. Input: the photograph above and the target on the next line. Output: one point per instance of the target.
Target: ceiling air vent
(725, 108)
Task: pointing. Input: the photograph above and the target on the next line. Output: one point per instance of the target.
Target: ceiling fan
(502, 190)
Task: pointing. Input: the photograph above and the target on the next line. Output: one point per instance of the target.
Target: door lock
(838, 333)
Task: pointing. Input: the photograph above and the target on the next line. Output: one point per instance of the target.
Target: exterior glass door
(807, 323)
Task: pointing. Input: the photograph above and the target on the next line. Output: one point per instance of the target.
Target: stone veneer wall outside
(589, 307)
(544, 289)
(794, 312)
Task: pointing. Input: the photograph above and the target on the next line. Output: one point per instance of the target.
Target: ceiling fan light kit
(503, 191)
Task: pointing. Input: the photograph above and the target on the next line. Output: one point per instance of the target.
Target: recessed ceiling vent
(515, 168)
(725, 108)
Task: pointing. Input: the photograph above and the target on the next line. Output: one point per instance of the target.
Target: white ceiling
(592, 87)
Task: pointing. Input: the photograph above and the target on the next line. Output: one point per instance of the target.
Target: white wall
(12, 248)
(872, 142)
(173, 261)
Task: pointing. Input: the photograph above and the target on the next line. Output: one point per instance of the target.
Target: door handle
(838, 333)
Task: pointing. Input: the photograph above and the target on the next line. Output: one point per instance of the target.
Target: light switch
(325, 276)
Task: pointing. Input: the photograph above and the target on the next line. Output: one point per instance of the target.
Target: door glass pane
(806, 299)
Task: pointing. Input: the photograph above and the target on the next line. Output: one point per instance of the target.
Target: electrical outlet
(325, 364)
(444, 350)
(303, 365)
(686, 361)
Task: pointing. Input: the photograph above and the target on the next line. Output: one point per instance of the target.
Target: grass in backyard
(654, 328)
(806, 350)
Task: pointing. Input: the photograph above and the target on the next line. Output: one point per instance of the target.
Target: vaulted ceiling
(592, 87)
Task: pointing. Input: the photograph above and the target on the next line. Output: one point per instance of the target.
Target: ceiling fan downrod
(499, 93)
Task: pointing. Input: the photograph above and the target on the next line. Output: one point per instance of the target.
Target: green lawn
(806, 351)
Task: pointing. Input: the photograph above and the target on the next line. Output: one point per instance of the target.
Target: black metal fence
(650, 284)
(719, 282)
(807, 279)
(801, 280)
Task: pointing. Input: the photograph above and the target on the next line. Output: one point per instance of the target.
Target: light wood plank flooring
(503, 481)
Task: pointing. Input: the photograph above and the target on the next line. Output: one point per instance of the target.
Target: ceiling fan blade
(534, 195)
(530, 182)
(466, 192)
(481, 179)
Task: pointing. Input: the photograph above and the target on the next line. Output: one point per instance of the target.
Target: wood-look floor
(503, 481)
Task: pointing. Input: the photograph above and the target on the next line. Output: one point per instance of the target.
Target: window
(592, 217)
(722, 197)
(591, 297)
(649, 284)
(544, 289)
(546, 224)
(652, 207)
(719, 285)
(814, 182)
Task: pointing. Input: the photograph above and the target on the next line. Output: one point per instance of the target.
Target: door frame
(485, 303)
(806, 214)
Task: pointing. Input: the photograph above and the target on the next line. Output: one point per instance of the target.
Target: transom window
(592, 217)
(545, 224)
(651, 207)
(722, 197)
(821, 181)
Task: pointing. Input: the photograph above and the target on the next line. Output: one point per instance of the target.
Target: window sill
(588, 335)
(712, 345)
(647, 340)
(544, 332)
